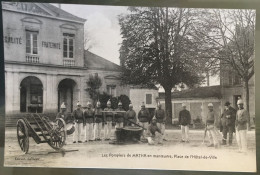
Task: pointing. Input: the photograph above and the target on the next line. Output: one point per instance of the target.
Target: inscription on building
(51, 45)
(13, 40)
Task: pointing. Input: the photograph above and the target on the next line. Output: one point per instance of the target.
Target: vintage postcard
(129, 87)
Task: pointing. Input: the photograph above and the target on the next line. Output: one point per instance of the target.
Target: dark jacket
(144, 115)
(108, 116)
(131, 115)
(78, 116)
(119, 117)
(184, 117)
(242, 119)
(98, 115)
(89, 116)
(64, 116)
(160, 115)
(152, 129)
(228, 118)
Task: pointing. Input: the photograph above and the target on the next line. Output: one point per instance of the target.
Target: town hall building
(45, 60)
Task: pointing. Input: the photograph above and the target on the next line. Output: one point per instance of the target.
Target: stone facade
(232, 88)
(146, 95)
(39, 76)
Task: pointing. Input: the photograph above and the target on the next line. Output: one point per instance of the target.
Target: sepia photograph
(129, 87)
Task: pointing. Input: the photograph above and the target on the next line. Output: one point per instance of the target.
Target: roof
(62, 13)
(43, 9)
(144, 86)
(200, 92)
(93, 61)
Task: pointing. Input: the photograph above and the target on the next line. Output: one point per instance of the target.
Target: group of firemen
(231, 121)
(91, 121)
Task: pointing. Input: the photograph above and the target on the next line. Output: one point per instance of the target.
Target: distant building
(45, 60)
(196, 100)
(148, 95)
(232, 88)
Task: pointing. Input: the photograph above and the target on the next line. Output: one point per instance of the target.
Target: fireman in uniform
(144, 117)
(98, 121)
(108, 119)
(89, 118)
(79, 120)
(63, 115)
(131, 115)
(160, 118)
(211, 127)
(242, 125)
(154, 133)
(119, 117)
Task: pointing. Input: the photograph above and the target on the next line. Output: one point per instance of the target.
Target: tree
(89, 40)
(103, 98)
(232, 39)
(160, 47)
(125, 101)
(94, 83)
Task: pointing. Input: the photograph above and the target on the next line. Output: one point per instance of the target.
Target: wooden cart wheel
(58, 136)
(22, 135)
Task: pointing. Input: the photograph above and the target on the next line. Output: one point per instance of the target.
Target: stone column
(16, 92)
(9, 92)
(51, 104)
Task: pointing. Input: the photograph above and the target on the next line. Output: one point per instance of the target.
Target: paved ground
(171, 155)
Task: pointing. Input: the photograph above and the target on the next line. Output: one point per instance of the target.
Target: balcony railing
(68, 63)
(32, 59)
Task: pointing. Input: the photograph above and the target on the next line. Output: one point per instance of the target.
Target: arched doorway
(31, 92)
(67, 94)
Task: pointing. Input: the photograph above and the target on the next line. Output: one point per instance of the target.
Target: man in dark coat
(184, 121)
(228, 123)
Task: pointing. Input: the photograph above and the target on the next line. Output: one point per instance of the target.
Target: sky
(103, 30)
(102, 27)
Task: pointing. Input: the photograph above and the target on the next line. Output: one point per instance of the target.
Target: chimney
(59, 5)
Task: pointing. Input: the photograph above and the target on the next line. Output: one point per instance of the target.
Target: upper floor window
(111, 90)
(237, 80)
(31, 42)
(233, 78)
(148, 99)
(68, 45)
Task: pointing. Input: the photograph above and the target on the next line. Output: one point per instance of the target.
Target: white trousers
(89, 131)
(213, 136)
(156, 139)
(98, 128)
(107, 129)
(78, 131)
(241, 137)
(145, 125)
(185, 132)
(161, 126)
(119, 125)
